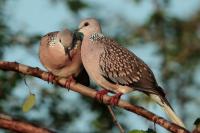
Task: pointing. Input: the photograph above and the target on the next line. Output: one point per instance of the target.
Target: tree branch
(7, 122)
(115, 119)
(36, 72)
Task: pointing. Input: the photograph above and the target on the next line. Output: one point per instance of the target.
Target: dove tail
(163, 102)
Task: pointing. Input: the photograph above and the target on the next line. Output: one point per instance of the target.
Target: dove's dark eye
(86, 24)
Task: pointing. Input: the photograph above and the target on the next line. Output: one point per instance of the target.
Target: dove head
(89, 27)
(65, 37)
(61, 40)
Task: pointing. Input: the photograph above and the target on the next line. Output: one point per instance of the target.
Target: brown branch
(7, 122)
(36, 72)
(115, 119)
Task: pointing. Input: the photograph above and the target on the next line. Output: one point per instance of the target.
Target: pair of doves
(111, 66)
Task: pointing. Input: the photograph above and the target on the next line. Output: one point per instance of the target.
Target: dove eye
(60, 40)
(86, 24)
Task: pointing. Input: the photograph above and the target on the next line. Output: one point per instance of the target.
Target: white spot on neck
(96, 36)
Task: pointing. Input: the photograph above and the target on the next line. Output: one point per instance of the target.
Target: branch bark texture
(36, 72)
(21, 127)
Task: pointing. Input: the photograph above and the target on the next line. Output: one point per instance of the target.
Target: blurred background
(164, 33)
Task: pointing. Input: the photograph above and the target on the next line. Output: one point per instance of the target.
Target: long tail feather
(167, 108)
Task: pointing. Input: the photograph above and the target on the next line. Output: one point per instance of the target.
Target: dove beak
(67, 52)
(77, 30)
(76, 36)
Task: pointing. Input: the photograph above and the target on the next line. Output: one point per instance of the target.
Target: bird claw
(51, 77)
(100, 94)
(69, 81)
(115, 99)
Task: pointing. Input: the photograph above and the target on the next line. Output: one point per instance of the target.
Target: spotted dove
(60, 54)
(117, 69)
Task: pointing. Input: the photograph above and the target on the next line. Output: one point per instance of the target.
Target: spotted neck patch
(52, 39)
(96, 36)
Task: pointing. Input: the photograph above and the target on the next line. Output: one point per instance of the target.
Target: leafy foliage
(142, 131)
(76, 5)
(197, 121)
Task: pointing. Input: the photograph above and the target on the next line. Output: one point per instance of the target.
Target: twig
(115, 119)
(7, 122)
(20, 68)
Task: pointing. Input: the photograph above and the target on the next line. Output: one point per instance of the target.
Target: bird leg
(51, 77)
(69, 81)
(115, 99)
(100, 94)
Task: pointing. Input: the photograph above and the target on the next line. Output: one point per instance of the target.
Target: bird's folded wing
(119, 65)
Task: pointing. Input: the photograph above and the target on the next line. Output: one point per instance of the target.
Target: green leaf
(28, 103)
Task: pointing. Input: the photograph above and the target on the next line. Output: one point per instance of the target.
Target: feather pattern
(120, 66)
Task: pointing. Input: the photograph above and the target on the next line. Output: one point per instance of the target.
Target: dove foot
(115, 99)
(69, 81)
(100, 94)
(51, 77)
